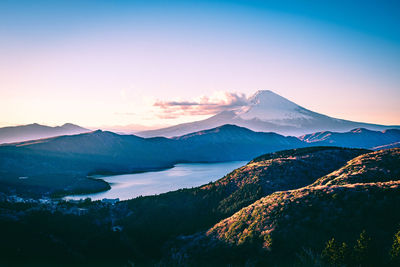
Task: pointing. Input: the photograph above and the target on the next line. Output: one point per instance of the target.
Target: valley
(245, 217)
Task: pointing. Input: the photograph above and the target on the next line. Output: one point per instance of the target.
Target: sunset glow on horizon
(96, 63)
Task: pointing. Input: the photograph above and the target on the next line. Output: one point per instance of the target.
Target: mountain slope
(37, 131)
(283, 170)
(268, 112)
(301, 221)
(230, 142)
(285, 223)
(62, 163)
(379, 166)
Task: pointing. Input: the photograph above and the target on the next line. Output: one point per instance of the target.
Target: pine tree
(334, 253)
(395, 251)
(362, 249)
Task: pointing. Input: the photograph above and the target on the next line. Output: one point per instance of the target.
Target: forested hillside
(345, 218)
(257, 214)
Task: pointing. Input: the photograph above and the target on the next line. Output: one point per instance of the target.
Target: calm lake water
(185, 175)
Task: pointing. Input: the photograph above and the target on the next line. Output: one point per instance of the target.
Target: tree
(334, 253)
(395, 251)
(362, 249)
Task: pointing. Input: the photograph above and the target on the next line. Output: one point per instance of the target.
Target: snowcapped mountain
(268, 112)
(268, 106)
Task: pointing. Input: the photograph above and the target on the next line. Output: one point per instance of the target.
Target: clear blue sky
(107, 62)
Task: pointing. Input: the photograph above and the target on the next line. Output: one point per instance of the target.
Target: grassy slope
(380, 166)
(284, 223)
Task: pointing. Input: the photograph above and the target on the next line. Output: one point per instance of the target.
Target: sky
(109, 63)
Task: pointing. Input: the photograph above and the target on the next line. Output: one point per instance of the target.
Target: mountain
(62, 164)
(58, 163)
(268, 112)
(302, 221)
(279, 171)
(36, 131)
(231, 142)
(361, 138)
(356, 205)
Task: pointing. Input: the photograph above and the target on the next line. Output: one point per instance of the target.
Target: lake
(184, 175)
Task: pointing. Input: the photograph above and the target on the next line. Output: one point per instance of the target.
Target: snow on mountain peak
(269, 98)
(266, 105)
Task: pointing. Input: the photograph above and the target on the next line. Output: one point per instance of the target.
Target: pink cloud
(204, 105)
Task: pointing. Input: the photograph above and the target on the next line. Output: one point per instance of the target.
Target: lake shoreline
(179, 176)
(98, 177)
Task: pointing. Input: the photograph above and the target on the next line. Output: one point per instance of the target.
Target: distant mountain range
(265, 112)
(63, 162)
(268, 112)
(357, 138)
(36, 131)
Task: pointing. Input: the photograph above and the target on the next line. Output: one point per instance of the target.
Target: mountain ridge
(359, 137)
(33, 131)
(268, 112)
